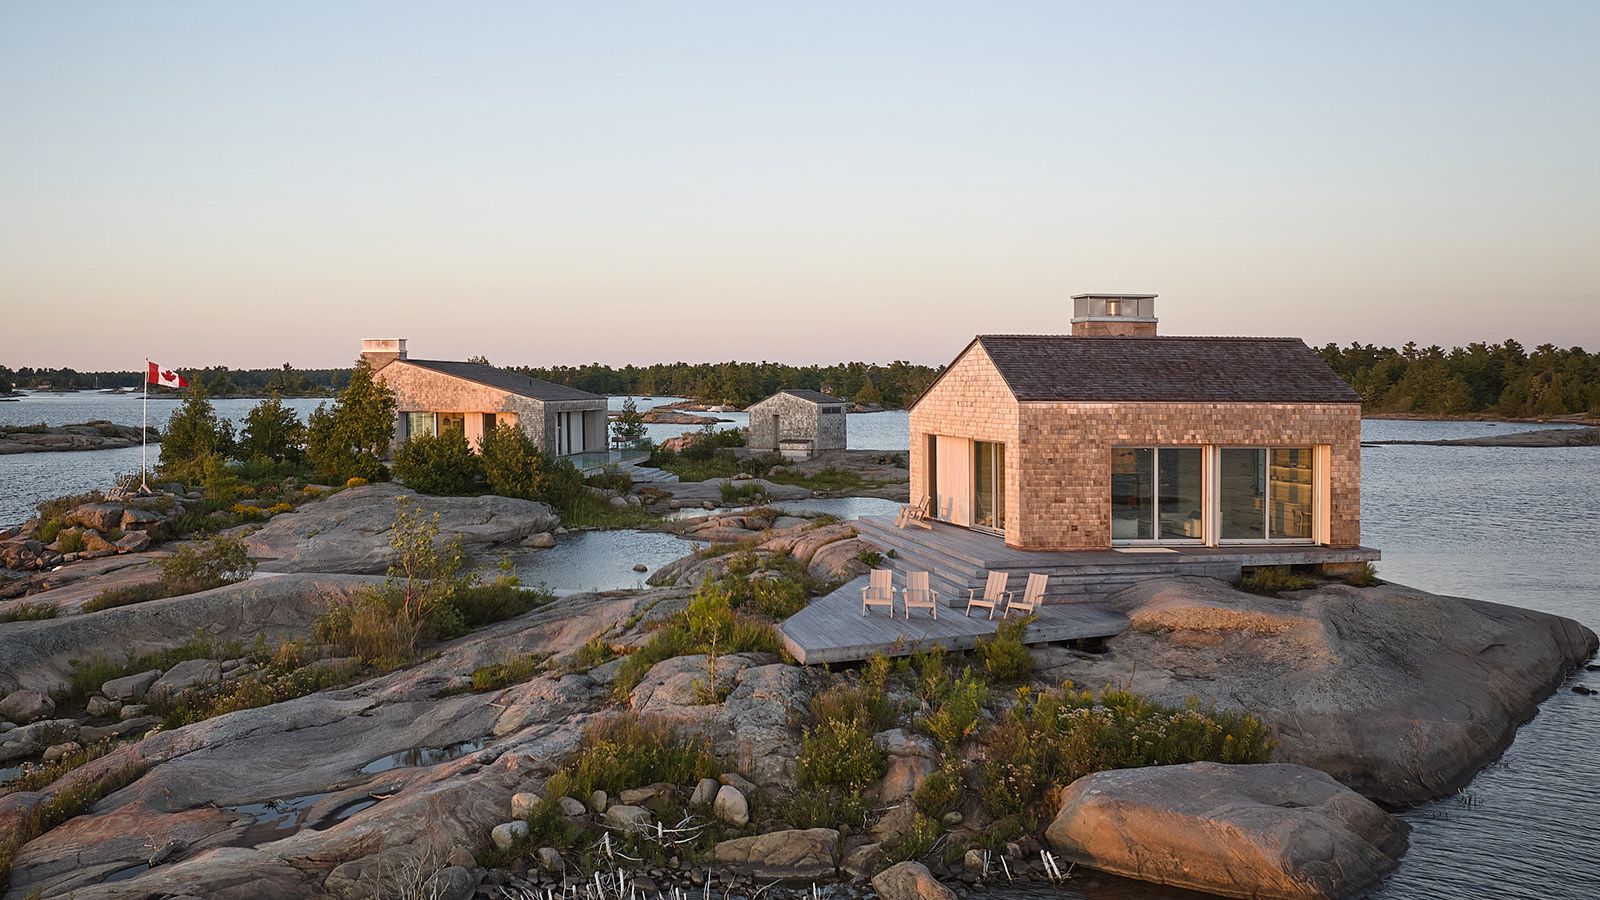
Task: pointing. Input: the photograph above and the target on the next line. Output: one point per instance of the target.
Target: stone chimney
(1113, 315)
(379, 352)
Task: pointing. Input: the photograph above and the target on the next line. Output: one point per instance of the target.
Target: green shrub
(611, 479)
(219, 561)
(840, 755)
(1055, 737)
(1274, 579)
(941, 790)
(49, 530)
(29, 611)
(512, 671)
(593, 653)
(350, 438)
(272, 432)
(513, 466)
(913, 843)
(710, 626)
(39, 777)
(955, 712)
(1004, 656)
(442, 464)
(870, 557)
(70, 541)
(193, 433)
(1364, 575)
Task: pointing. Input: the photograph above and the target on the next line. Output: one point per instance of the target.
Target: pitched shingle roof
(504, 379)
(813, 396)
(1164, 369)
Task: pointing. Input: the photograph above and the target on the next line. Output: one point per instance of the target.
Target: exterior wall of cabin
(970, 400)
(421, 390)
(798, 420)
(1058, 454)
(1064, 467)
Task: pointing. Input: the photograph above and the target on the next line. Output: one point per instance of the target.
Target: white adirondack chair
(879, 591)
(913, 514)
(1032, 596)
(994, 593)
(919, 596)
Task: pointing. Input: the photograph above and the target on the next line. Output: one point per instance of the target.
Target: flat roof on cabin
(1043, 367)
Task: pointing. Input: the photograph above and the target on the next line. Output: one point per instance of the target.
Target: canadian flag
(158, 375)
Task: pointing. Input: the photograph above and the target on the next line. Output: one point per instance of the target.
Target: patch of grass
(56, 507)
(743, 493)
(1004, 656)
(839, 761)
(29, 611)
(39, 777)
(831, 479)
(589, 511)
(591, 654)
(1365, 575)
(941, 790)
(1054, 737)
(513, 671)
(125, 595)
(913, 843)
(278, 683)
(1274, 580)
(88, 675)
(66, 803)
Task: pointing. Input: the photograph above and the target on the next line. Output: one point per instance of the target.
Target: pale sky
(544, 183)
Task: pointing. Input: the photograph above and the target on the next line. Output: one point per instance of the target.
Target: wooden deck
(960, 558)
(832, 629)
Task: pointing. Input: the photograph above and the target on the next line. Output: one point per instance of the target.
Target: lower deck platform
(832, 629)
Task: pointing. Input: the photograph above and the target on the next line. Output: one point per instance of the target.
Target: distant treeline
(1494, 379)
(741, 384)
(1479, 379)
(219, 381)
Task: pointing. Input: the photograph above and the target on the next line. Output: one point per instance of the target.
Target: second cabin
(798, 424)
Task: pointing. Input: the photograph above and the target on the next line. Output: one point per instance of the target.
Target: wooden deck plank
(832, 628)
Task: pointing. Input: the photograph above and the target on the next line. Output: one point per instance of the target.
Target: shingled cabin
(798, 424)
(432, 395)
(1115, 437)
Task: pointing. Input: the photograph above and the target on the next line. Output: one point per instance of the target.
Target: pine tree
(350, 438)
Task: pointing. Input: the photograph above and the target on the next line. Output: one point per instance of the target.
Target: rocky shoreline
(94, 435)
(1378, 697)
(1544, 437)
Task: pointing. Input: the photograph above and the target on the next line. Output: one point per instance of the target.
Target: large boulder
(910, 881)
(1262, 831)
(98, 516)
(1398, 693)
(26, 706)
(350, 532)
(187, 674)
(798, 854)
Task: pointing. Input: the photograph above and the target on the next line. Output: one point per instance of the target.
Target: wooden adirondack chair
(919, 596)
(879, 591)
(1032, 596)
(913, 514)
(994, 592)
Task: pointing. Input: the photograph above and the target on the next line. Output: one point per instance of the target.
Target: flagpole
(144, 430)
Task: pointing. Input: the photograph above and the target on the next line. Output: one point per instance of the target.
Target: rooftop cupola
(1120, 315)
(379, 352)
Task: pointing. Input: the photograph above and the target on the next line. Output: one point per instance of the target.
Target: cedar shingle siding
(1061, 404)
(801, 422)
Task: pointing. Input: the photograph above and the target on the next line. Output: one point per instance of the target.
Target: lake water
(1512, 525)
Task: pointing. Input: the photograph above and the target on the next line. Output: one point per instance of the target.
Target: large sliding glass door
(989, 485)
(1158, 494)
(1266, 494)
